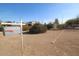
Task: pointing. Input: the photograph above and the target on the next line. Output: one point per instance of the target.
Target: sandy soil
(51, 43)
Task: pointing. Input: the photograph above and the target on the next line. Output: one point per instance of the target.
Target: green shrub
(38, 28)
(1, 28)
(49, 26)
(61, 26)
(25, 27)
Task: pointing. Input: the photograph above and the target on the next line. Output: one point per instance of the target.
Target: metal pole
(62, 20)
(21, 40)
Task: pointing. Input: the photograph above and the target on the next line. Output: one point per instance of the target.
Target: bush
(49, 26)
(37, 28)
(72, 22)
(25, 27)
(1, 28)
(61, 26)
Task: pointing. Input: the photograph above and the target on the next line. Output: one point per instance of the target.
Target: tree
(77, 20)
(72, 22)
(8, 21)
(25, 27)
(49, 26)
(56, 21)
(56, 24)
(37, 28)
(0, 23)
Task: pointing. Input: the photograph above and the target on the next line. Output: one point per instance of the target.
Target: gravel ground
(51, 43)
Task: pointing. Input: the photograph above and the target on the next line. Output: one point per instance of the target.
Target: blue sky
(38, 12)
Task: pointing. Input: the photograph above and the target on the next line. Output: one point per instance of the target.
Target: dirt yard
(51, 43)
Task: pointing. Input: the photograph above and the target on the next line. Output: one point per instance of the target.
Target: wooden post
(3, 31)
